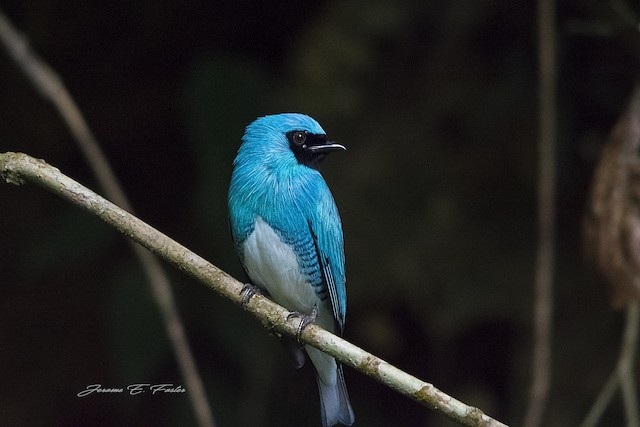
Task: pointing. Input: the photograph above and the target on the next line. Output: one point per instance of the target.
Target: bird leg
(249, 290)
(305, 320)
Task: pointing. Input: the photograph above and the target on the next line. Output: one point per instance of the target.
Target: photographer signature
(132, 389)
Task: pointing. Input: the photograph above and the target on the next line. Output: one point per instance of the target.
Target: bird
(288, 235)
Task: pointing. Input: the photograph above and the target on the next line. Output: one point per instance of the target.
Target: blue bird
(288, 235)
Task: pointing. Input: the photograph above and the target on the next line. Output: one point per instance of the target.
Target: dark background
(437, 104)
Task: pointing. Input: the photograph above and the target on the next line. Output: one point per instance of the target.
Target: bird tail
(334, 402)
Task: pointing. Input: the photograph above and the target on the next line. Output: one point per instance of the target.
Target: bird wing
(326, 229)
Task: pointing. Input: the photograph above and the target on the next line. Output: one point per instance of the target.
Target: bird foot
(305, 320)
(249, 290)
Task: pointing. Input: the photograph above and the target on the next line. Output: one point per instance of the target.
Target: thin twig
(543, 310)
(17, 167)
(601, 403)
(626, 368)
(623, 376)
(50, 86)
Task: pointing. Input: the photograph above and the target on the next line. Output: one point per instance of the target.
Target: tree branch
(626, 365)
(17, 168)
(623, 376)
(543, 308)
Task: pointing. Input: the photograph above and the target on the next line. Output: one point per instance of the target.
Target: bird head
(288, 138)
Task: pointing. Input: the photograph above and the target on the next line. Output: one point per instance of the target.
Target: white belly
(272, 265)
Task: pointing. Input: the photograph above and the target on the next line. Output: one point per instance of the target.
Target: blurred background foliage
(436, 102)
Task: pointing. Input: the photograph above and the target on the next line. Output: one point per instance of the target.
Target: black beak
(326, 147)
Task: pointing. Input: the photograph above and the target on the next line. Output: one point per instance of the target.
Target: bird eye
(299, 138)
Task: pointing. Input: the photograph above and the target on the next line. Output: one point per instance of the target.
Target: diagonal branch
(51, 87)
(623, 375)
(17, 167)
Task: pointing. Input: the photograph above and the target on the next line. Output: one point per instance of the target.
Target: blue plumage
(288, 234)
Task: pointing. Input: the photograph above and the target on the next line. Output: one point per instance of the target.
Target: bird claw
(305, 320)
(249, 290)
